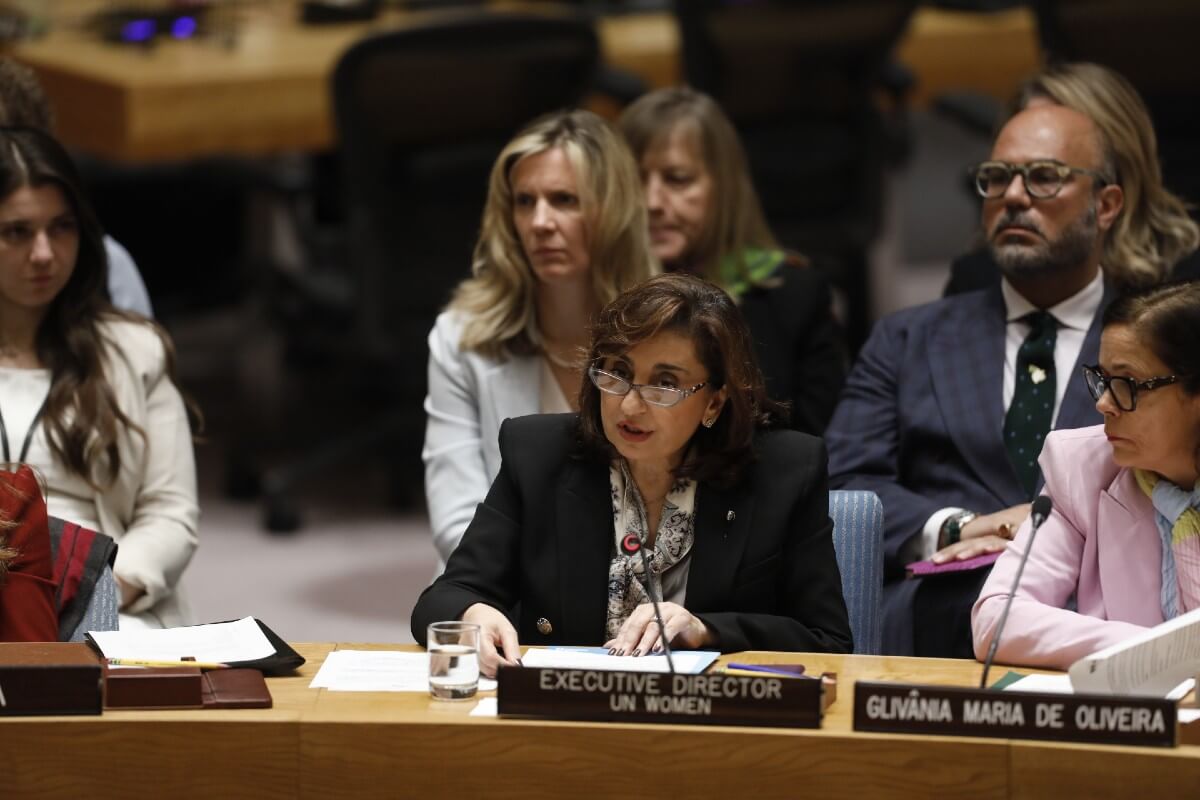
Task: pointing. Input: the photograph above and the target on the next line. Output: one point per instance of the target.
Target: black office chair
(800, 79)
(421, 115)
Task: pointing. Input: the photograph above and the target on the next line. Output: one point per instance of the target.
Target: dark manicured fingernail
(621, 652)
(612, 651)
(636, 653)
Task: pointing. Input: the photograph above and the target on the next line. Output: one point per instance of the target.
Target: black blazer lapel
(584, 532)
(966, 361)
(717, 546)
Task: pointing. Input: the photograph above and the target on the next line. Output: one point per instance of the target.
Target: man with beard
(944, 413)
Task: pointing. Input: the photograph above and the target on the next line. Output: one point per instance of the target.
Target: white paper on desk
(241, 640)
(378, 671)
(1061, 684)
(687, 662)
(1053, 684)
(486, 707)
(1151, 663)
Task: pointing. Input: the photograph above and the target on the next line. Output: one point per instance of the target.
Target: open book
(1148, 664)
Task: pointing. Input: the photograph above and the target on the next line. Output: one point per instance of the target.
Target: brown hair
(736, 219)
(707, 315)
(1153, 231)
(81, 418)
(1166, 319)
(8, 485)
(22, 101)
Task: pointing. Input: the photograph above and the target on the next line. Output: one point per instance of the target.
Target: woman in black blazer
(675, 446)
(705, 219)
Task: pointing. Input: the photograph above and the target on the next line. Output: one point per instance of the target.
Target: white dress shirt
(1074, 316)
(68, 496)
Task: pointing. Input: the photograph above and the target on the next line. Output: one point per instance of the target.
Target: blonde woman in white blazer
(86, 391)
(564, 232)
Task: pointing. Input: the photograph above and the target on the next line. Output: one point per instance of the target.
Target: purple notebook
(921, 569)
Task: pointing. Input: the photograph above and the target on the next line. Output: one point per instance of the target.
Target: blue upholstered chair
(858, 540)
(102, 612)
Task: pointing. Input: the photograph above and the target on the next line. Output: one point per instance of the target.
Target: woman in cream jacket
(86, 393)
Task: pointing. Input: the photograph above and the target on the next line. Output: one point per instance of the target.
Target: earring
(708, 423)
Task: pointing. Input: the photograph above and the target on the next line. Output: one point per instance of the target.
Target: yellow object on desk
(150, 662)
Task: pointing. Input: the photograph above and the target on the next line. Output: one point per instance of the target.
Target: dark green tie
(1032, 410)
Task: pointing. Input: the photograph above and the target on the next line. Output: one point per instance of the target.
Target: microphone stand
(648, 583)
(628, 546)
(1041, 510)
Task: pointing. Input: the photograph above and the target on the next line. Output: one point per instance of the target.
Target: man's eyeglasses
(1043, 179)
(1124, 390)
(662, 396)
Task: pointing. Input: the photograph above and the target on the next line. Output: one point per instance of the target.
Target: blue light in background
(139, 30)
(183, 27)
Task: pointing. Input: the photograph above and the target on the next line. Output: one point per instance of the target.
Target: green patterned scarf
(740, 271)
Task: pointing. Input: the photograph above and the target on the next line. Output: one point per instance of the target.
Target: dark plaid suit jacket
(921, 421)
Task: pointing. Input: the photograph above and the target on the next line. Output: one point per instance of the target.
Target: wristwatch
(951, 531)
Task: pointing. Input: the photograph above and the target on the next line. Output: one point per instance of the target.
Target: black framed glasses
(1042, 179)
(662, 396)
(1124, 390)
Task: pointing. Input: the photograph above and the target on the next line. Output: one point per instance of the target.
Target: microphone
(1039, 512)
(632, 543)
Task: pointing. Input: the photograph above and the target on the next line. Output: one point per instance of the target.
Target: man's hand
(988, 533)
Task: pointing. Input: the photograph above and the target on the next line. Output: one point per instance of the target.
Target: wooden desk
(316, 743)
(265, 91)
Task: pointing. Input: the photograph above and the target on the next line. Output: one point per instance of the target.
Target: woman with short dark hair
(675, 449)
(1122, 545)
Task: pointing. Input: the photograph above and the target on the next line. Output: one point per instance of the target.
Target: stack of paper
(223, 642)
(378, 671)
(1061, 684)
(688, 662)
(1149, 664)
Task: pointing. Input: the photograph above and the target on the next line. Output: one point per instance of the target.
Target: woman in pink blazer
(1121, 550)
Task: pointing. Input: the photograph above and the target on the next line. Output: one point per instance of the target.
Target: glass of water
(453, 660)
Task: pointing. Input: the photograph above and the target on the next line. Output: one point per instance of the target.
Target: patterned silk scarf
(1178, 518)
(672, 543)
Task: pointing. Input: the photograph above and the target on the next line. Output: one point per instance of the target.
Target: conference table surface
(318, 743)
(260, 85)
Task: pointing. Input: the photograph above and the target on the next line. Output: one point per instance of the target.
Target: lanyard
(28, 436)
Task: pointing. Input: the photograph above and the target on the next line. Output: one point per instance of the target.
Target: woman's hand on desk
(988, 533)
(639, 635)
(497, 638)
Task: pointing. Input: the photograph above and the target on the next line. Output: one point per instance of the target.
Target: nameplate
(956, 711)
(602, 695)
(49, 678)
